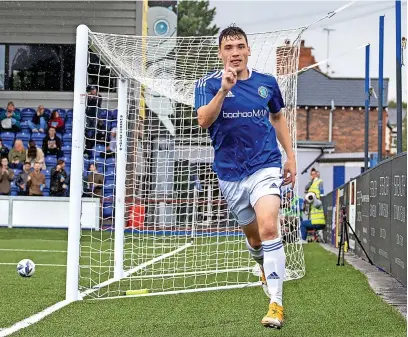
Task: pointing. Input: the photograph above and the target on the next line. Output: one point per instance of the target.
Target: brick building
(332, 140)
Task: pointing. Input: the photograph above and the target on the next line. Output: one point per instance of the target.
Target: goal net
(163, 223)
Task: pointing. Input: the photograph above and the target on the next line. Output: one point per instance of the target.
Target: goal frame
(74, 229)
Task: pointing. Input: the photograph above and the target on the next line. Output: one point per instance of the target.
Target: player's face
(234, 52)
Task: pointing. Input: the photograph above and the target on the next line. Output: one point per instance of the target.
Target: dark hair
(313, 170)
(53, 114)
(32, 149)
(231, 31)
(60, 161)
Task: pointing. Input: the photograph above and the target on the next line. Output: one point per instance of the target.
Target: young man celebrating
(242, 110)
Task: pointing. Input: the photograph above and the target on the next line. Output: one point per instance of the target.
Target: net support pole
(77, 163)
(380, 88)
(120, 190)
(367, 106)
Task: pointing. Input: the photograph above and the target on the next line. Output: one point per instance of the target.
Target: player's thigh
(238, 201)
(264, 187)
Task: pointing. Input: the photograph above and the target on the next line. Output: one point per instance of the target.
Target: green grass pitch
(328, 301)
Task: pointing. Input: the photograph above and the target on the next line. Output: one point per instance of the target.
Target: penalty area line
(33, 319)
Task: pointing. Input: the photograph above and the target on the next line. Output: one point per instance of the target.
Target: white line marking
(32, 250)
(199, 272)
(33, 319)
(134, 270)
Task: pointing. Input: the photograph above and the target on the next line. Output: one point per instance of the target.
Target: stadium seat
(46, 192)
(112, 115)
(68, 169)
(47, 182)
(23, 136)
(110, 181)
(67, 138)
(110, 170)
(50, 161)
(67, 151)
(7, 136)
(47, 111)
(113, 125)
(47, 173)
(107, 209)
(110, 161)
(103, 113)
(24, 127)
(17, 110)
(69, 115)
(38, 138)
(108, 192)
(16, 171)
(27, 114)
(68, 127)
(62, 112)
(100, 163)
(2, 110)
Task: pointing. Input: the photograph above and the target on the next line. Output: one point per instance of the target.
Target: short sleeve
(204, 93)
(276, 102)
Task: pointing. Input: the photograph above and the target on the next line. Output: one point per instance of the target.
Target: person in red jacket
(56, 122)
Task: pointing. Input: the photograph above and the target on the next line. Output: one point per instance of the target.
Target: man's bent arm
(207, 114)
(278, 121)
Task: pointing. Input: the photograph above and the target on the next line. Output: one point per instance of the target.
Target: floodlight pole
(399, 80)
(367, 105)
(380, 89)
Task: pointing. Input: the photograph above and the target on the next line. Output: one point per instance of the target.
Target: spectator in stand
(35, 154)
(52, 144)
(102, 135)
(36, 181)
(39, 121)
(10, 119)
(17, 155)
(94, 103)
(6, 176)
(94, 183)
(4, 151)
(22, 179)
(58, 184)
(111, 148)
(56, 122)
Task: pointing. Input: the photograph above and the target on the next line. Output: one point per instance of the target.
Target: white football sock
(274, 267)
(257, 254)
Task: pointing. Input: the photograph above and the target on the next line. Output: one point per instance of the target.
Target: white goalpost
(163, 225)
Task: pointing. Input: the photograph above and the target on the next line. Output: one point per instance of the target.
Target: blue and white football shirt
(243, 138)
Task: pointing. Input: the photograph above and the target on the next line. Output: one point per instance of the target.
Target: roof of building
(318, 89)
(392, 115)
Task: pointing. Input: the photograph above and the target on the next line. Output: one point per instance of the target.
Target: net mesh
(179, 233)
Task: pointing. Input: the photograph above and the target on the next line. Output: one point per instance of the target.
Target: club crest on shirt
(262, 91)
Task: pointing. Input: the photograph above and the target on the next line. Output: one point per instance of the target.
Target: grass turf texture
(328, 301)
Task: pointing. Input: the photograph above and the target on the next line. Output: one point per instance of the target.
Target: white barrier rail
(46, 212)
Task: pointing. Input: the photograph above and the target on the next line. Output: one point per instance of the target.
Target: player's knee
(255, 242)
(269, 231)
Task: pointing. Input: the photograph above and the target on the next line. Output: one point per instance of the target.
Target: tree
(392, 104)
(195, 18)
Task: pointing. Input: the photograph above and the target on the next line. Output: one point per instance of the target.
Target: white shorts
(242, 195)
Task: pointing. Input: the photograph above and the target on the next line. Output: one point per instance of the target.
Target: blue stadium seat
(103, 113)
(66, 159)
(23, 136)
(113, 125)
(38, 138)
(110, 161)
(68, 127)
(59, 135)
(2, 110)
(100, 163)
(47, 111)
(108, 192)
(27, 114)
(7, 136)
(67, 151)
(107, 209)
(17, 110)
(16, 171)
(67, 138)
(46, 192)
(24, 127)
(47, 182)
(62, 112)
(110, 181)
(47, 173)
(113, 115)
(50, 161)
(110, 170)
(68, 169)
(70, 114)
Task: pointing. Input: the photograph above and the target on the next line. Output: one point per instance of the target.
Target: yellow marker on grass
(137, 292)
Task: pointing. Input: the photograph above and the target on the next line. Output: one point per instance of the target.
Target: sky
(353, 27)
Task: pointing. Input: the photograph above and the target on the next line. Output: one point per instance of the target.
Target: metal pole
(380, 88)
(367, 106)
(328, 30)
(399, 80)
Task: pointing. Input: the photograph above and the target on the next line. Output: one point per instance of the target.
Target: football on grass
(26, 268)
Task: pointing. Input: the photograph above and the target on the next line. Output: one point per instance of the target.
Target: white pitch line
(33, 319)
(134, 270)
(54, 265)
